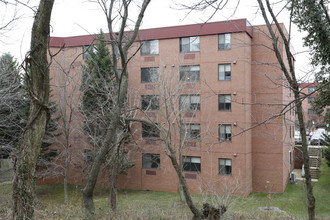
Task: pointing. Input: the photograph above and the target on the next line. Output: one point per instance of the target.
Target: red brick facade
(256, 160)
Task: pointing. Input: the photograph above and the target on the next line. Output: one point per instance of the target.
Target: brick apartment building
(229, 77)
(312, 120)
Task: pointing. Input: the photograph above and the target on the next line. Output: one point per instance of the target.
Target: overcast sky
(81, 17)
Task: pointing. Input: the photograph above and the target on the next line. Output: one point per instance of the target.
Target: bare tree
(114, 133)
(175, 126)
(31, 140)
(286, 63)
(66, 95)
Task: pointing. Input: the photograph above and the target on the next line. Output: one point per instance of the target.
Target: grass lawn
(135, 204)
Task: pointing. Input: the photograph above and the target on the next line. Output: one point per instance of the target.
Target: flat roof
(220, 27)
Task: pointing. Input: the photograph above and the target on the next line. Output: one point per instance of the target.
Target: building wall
(259, 156)
(272, 140)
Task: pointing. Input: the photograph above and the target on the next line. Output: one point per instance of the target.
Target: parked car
(297, 137)
(317, 139)
(320, 131)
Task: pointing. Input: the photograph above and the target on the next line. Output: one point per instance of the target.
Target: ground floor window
(151, 161)
(224, 166)
(191, 164)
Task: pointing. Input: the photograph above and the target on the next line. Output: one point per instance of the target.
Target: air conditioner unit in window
(293, 177)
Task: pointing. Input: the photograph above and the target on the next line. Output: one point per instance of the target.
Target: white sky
(81, 17)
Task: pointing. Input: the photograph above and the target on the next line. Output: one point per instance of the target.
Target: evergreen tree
(14, 110)
(97, 88)
(14, 103)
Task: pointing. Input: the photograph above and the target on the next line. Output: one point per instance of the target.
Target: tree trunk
(197, 213)
(31, 140)
(309, 186)
(113, 185)
(66, 171)
(291, 78)
(96, 166)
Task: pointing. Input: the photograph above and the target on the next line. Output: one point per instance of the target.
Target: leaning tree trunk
(197, 213)
(113, 183)
(308, 178)
(31, 140)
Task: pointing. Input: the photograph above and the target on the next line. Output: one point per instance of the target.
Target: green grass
(136, 204)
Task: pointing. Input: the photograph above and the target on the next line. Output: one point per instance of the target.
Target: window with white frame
(224, 42)
(191, 131)
(224, 133)
(191, 164)
(149, 75)
(225, 166)
(224, 102)
(190, 102)
(151, 161)
(149, 47)
(190, 73)
(149, 102)
(189, 44)
(224, 72)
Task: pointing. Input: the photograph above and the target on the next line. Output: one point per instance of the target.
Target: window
(311, 111)
(225, 133)
(191, 131)
(189, 73)
(191, 164)
(224, 42)
(224, 102)
(311, 99)
(149, 47)
(225, 166)
(86, 51)
(150, 102)
(89, 156)
(224, 72)
(290, 158)
(149, 75)
(190, 102)
(149, 131)
(150, 161)
(311, 89)
(189, 44)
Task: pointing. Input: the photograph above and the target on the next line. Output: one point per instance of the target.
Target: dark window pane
(149, 131)
(149, 102)
(191, 164)
(151, 161)
(225, 166)
(149, 75)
